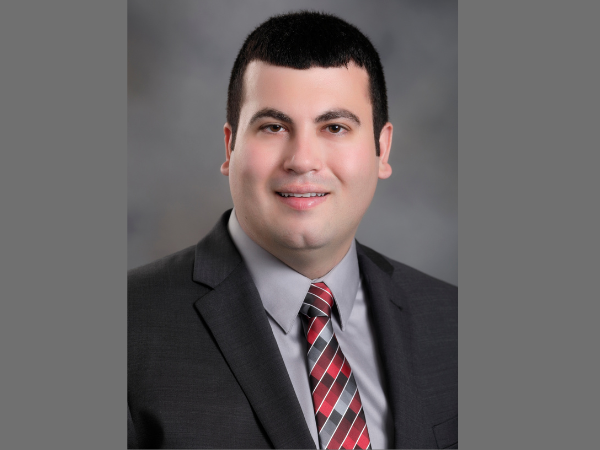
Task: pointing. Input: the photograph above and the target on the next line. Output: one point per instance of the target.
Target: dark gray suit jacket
(204, 370)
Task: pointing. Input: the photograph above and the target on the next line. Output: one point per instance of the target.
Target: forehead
(306, 91)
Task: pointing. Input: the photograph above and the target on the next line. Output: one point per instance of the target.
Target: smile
(308, 194)
(302, 201)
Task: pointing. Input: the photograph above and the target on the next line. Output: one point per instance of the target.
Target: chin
(298, 240)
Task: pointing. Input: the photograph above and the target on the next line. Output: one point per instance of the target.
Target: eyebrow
(273, 113)
(337, 114)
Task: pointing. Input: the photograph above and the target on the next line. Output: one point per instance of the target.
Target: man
(278, 329)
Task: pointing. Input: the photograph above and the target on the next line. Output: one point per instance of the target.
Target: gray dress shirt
(282, 291)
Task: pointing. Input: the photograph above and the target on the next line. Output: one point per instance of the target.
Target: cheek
(251, 169)
(357, 169)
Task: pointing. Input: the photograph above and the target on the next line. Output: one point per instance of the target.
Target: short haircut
(302, 40)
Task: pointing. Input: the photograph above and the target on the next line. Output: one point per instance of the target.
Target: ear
(228, 135)
(385, 145)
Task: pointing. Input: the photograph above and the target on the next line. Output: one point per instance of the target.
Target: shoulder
(417, 289)
(164, 271)
(416, 282)
(176, 281)
(163, 283)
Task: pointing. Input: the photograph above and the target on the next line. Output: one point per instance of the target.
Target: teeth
(308, 194)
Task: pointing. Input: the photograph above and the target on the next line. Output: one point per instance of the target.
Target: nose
(303, 154)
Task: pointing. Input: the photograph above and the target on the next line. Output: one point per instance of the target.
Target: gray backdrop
(180, 54)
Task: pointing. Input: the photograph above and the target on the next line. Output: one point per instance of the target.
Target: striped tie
(340, 417)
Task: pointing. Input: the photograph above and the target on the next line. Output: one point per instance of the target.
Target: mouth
(306, 195)
(302, 201)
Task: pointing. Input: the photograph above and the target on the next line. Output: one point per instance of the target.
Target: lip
(302, 189)
(302, 203)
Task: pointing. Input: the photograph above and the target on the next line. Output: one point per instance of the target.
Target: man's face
(304, 132)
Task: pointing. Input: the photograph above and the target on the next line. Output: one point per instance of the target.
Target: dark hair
(307, 39)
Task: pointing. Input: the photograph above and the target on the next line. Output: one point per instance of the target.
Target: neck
(312, 263)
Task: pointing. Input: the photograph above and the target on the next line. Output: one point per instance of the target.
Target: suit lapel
(235, 315)
(393, 341)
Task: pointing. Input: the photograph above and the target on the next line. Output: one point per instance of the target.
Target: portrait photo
(292, 224)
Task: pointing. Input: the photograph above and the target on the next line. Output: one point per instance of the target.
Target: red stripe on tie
(317, 372)
(326, 407)
(318, 395)
(340, 434)
(321, 305)
(355, 403)
(325, 358)
(331, 399)
(346, 369)
(317, 325)
(334, 367)
(322, 291)
(359, 422)
(363, 442)
(353, 436)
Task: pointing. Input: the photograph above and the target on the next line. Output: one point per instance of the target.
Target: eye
(335, 129)
(273, 128)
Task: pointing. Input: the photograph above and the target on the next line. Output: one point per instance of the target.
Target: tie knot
(318, 301)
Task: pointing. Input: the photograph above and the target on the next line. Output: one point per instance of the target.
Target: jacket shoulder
(168, 275)
(413, 280)
(417, 287)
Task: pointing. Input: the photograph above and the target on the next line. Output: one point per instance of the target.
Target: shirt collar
(282, 289)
